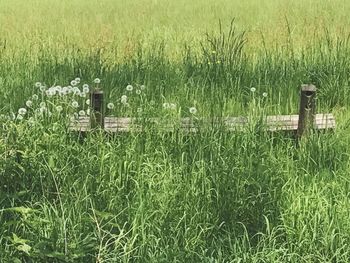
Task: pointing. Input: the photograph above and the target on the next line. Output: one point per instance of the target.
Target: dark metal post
(307, 109)
(97, 113)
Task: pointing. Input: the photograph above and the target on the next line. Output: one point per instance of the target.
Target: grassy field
(214, 196)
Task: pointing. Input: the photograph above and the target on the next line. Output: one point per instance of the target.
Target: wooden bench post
(307, 109)
(97, 114)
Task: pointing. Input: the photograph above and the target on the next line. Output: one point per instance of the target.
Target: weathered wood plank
(273, 123)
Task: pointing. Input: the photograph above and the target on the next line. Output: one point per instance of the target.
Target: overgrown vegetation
(213, 196)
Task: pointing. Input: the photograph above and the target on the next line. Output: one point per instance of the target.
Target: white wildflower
(29, 103)
(138, 92)
(59, 108)
(42, 109)
(82, 113)
(86, 88)
(110, 106)
(75, 104)
(193, 110)
(87, 102)
(74, 83)
(142, 87)
(38, 84)
(264, 94)
(97, 81)
(22, 111)
(129, 88)
(124, 99)
(166, 105)
(252, 89)
(42, 104)
(35, 97)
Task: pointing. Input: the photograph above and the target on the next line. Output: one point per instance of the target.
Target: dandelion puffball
(166, 105)
(22, 111)
(97, 81)
(129, 88)
(86, 88)
(193, 110)
(75, 104)
(29, 103)
(110, 106)
(59, 108)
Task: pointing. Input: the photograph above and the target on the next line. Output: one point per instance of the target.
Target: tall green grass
(211, 196)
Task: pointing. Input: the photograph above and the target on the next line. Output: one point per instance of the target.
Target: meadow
(153, 196)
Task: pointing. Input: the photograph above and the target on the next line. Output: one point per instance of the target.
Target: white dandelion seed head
(38, 84)
(77, 80)
(42, 88)
(138, 92)
(97, 81)
(63, 92)
(82, 94)
(142, 87)
(124, 99)
(42, 104)
(252, 89)
(75, 104)
(87, 102)
(166, 105)
(29, 103)
(76, 90)
(129, 88)
(193, 110)
(50, 92)
(172, 106)
(19, 117)
(22, 111)
(86, 88)
(59, 108)
(82, 113)
(110, 106)
(74, 83)
(35, 97)
(264, 94)
(42, 109)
